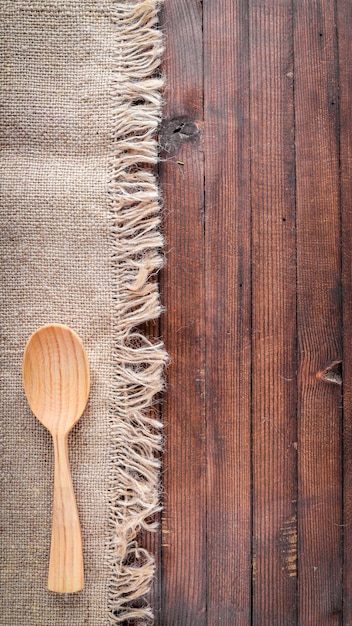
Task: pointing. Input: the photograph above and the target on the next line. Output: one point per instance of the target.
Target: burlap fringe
(138, 363)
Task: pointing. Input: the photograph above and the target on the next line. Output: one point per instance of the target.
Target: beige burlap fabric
(79, 239)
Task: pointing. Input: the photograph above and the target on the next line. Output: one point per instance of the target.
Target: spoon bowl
(56, 382)
(56, 377)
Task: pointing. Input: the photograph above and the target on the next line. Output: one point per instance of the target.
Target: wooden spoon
(56, 381)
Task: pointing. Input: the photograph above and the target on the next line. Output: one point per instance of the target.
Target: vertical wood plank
(344, 25)
(274, 393)
(227, 236)
(319, 314)
(183, 595)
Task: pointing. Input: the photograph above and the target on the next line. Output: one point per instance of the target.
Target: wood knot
(332, 373)
(176, 131)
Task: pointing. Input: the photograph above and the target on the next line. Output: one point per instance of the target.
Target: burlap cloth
(78, 239)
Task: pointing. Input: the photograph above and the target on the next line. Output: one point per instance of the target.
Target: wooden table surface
(256, 175)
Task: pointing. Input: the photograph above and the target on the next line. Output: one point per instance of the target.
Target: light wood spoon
(56, 381)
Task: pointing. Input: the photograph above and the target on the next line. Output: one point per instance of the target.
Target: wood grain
(344, 27)
(227, 289)
(56, 381)
(319, 314)
(274, 394)
(183, 573)
(254, 304)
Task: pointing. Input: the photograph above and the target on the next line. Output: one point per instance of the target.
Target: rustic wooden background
(256, 175)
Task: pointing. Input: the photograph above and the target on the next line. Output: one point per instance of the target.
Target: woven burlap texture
(79, 241)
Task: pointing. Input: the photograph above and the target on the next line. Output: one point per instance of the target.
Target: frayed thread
(138, 363)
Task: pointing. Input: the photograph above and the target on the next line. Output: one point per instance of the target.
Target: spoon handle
(66, 557)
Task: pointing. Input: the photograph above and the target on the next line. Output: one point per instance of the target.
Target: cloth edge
(137, 362)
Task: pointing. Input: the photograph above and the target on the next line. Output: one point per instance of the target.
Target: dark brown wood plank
(183, 594)
(274, 389)
(344, 25)
(227, 234)
(319, 314)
